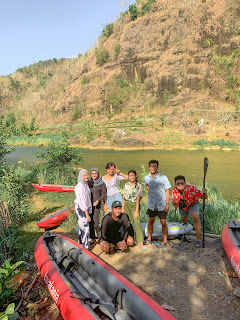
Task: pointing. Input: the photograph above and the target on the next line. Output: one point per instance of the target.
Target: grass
(38, 139)
(222, 143)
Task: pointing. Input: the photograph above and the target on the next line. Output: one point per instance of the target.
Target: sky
(34, 30)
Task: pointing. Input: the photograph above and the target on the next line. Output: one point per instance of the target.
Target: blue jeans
(110, 199)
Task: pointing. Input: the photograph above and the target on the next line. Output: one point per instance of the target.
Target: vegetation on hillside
(135, 71)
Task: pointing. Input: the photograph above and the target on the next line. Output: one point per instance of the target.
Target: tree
(60, 155)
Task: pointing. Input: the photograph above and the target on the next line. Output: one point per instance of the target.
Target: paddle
(205, 173)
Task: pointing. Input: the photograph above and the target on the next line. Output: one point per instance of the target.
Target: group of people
(121, 225)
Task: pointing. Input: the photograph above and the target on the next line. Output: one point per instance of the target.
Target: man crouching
(186, 198)
(116, 230)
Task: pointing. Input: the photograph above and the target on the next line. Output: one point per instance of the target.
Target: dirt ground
(183, 279)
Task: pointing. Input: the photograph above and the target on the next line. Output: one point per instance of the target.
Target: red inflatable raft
(54, 220)
(85, 287)
(53, 188)
(231, 244)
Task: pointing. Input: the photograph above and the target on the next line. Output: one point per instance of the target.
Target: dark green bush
(133, 10)
(108, 30)
(147, 6)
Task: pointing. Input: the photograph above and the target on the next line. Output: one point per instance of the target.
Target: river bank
(112, 147)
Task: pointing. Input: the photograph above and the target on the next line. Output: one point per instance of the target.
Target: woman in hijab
(83, 207)
(98, 193)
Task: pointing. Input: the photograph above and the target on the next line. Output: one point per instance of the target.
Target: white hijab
(85, 188)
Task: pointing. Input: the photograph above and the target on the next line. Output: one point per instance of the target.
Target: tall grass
(62, 176)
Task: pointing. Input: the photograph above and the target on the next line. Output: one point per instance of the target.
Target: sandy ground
(184, 278)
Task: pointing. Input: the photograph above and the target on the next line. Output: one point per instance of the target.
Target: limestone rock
(117, 134)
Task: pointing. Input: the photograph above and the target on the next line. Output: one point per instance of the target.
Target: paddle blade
(205, 166)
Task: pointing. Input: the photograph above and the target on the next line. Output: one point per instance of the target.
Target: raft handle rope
(70, 250)
(107, 309)
(122, 291)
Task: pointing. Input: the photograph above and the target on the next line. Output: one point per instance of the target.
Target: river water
(223, 169)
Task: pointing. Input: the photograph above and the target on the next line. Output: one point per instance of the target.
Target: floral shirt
(131, 193)
(189, 196)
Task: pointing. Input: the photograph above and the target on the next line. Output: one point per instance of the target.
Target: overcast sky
(40, 30)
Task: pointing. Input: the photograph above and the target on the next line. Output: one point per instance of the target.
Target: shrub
(3, 149)
(102, 55)
(83, 80)
(133, 10)
(232, 81)
(163, 120)
(77, 113)
(117, 50)
(221, 143)
(207, 43)
(166, 98)
(201, 142)
(58, 155)
(14, 84)
(13, 193)
(109, 116)
(122, 83)
(147, 6)
(108, 30)
(7, 272)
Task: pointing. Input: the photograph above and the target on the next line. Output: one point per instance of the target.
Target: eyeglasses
(180, 183)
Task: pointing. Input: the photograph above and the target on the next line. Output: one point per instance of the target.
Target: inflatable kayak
(231, 244)
(53, 188)
(54, 220)
(85, 287)
(174, 229)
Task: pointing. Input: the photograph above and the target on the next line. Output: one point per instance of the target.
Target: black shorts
(155, 213)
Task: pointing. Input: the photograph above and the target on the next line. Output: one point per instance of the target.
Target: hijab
(86, 189)
(81, 175)
(98, 181)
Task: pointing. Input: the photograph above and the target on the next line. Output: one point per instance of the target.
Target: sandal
(198, 244)
(147, 242)
(142, 247)
(168, 244)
